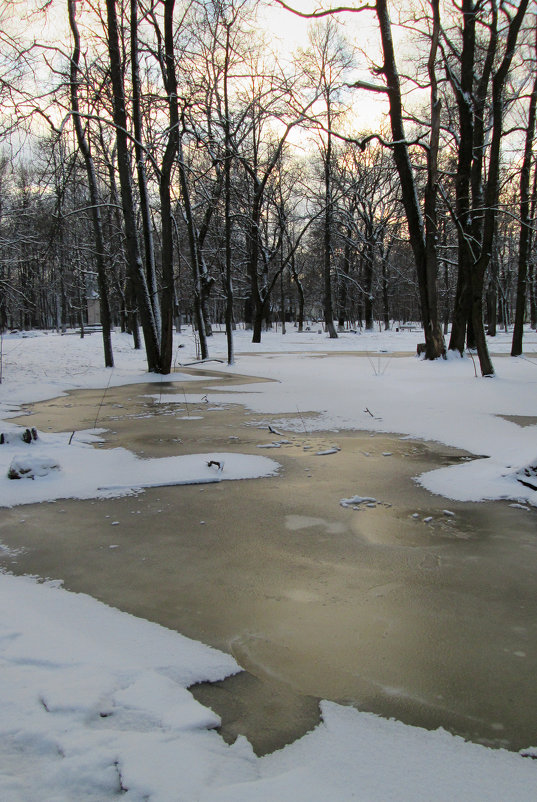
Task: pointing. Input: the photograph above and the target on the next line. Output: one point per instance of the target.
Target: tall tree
(165, 51)
(140, 158)
(85, 150)
(525, 237)
(328, 64)
(136, 269)
(476, 83)
(492, 187)
(273, 111)
(423, 236)
(421, 233)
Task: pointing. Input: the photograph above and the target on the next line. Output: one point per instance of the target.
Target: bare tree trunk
(194, 252)
(227, 206)
(469, 180)
(461, 307)
(492, 190)
(525, 224)
(327, 235)
(343, 294)
(435, 346)
(94, 194)
(127, 199)
(147, 225)
(260, 313)
(368, 279)
(170, 153)
(132, 315)
(434, 338)
(385, 297)
(492, 299)
(300, 290)
(533, 304)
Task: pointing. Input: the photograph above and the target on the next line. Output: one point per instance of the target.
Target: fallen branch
(172, 483)
(198, 362)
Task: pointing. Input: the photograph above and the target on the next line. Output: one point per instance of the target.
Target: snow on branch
(326, 12)
(369, 86)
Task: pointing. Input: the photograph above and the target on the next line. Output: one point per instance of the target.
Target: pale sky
(359, 29)
(281, 25)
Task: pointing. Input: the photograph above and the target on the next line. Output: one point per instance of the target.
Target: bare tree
(421, 233)
(477, 195)
(136, 270)
(327, 63)
(271, 98)
(85, 150)
(526, 233)
(140, 158)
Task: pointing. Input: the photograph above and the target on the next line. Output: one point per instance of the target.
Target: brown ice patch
(521, 420)
(396, 607)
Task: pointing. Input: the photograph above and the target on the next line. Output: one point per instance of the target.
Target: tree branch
(370, 87)
(325, 13)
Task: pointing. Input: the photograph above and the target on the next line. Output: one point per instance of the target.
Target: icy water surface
(407, 605)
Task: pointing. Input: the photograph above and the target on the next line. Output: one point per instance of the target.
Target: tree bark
(328, 307)
(194, 252)
(434, 339)
(135, 265)
(468, 184)
(228, 154)
(533, 300)
(300, 290)
(492, 190)
(170, 153)
(147, 226)
(84, 147)
(525, 225)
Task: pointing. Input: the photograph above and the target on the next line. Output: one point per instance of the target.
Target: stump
(26, 436)
(31, 467)
(528, 476)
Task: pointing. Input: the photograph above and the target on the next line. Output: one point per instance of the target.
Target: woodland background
(174, 162)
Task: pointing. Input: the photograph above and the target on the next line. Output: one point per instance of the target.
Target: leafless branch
(326, 12)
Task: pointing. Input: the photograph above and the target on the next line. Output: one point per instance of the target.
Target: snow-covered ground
(94, 701)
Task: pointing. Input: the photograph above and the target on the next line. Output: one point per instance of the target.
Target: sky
(286, 33)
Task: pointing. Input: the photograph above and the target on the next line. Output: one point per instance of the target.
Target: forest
(171, 162)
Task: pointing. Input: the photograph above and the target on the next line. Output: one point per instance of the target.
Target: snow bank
(95, 703)
(85, 472)
(361, 757)
(84, 686)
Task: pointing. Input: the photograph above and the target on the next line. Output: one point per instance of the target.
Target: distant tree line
(183, 172)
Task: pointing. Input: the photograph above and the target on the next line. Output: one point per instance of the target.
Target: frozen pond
(410, 605)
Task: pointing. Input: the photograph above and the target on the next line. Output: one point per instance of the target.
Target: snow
(441, 401)
(95, 702)
(355, 501)
(85, 472)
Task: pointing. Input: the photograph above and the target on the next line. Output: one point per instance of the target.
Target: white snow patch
(31, 467)
(354, 501)
(87, 472)
(94, 701)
